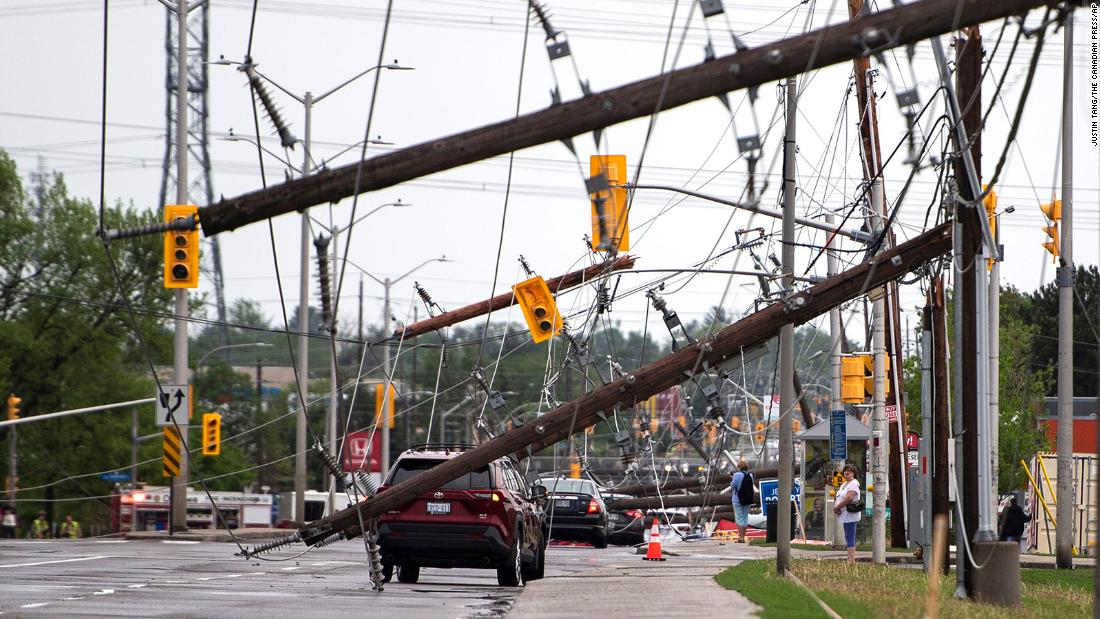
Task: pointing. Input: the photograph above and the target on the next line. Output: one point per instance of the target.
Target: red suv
(487, 518)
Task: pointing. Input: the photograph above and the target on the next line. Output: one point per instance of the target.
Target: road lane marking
(57, 561)
(103, 592)
(135, 586)
(177, 541)
(219, 577)
(293, 567)
(112, 541)
(35, 605)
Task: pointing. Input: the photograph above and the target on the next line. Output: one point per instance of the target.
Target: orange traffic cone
(653, 553)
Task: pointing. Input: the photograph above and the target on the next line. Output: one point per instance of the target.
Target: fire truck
(136, 507)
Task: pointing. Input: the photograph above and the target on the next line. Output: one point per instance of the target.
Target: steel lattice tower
(200, 190)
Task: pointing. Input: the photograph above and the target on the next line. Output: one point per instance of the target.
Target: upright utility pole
(386, 330)
(1063, 535)
(180, 369)
(879, 433)
(786, 339)
(303, 334)
(836, 337)
(201, 186)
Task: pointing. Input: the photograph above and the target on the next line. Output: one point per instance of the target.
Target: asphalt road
(114, 578)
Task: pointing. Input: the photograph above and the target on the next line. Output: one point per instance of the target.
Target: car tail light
(634, 513)
(487, 496)
(593, 506)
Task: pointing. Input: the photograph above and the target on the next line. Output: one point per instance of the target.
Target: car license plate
(562, 503)
(439, 508)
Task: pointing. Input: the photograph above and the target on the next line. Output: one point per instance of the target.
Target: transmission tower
(200, 190)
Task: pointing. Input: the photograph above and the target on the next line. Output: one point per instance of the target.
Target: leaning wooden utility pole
(501, 301)
(896, 27)
(786, 338)
(723, 347)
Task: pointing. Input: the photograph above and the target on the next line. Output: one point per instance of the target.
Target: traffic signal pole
(303, 333)
(1063, 535)
(786, 339)
(178, 518)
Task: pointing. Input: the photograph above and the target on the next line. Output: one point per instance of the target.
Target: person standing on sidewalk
(1015, 519)
(849, 509)
(9, 522)
(40, 528)
(744, 492)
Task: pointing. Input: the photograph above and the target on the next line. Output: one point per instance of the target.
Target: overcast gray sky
(467, 56)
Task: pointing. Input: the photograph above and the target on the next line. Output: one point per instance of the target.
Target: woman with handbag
(849, 509)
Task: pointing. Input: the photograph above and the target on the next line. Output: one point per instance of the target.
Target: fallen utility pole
(707, 499)
(575, 416)
(501, 301)
(691, 483)
(834, 44)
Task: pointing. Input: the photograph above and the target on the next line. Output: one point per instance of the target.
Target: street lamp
(386, 283)
(214, 350)
(307, 101)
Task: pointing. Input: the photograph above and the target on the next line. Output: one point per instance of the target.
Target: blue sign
(115, 477)
(769, 494)
(838, 435)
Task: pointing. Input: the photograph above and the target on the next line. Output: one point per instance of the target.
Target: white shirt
(845, 515)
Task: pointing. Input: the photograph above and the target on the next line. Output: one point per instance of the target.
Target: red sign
(912, 440)
(363, 451)
(891, 413)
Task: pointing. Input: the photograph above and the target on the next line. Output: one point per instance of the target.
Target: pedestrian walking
(9, 522)
(744, 492)
(1012, 529)
(40, 528)
(849, 509)
(70, 529)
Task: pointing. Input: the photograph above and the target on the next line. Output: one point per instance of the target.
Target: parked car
(487, 518)
(575, 511)
(624, 526)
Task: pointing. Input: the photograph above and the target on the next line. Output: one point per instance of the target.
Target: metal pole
(1066, 501)
(786, 341)
(994, 381)
(879, 437)
(386, 370)
(13, 464)
(133, 445)
(987, 515)
(836, 327)
(924, 472)
(178, 518)
(334, 390)
(303, 337)
(961, 566)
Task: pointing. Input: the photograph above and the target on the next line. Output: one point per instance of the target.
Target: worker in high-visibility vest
(70, 528)
(40, 528)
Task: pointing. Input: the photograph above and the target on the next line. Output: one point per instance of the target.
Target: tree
(1040, 309)
(68, 339)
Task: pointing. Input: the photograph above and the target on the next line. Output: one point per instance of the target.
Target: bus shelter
(821, 476)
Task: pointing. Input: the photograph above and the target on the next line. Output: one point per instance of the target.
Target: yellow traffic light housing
(610, 229)
(13, 407)
(1053, 212)
(851, 380)
(539, 309)
(181, 249)
(990, 202)
(383, 406)
(869, 375)
(211, 434)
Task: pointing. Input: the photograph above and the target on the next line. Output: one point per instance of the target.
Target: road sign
(174, 399)
(769, 493)
(115, 477)
(171, 457)
(838, 435)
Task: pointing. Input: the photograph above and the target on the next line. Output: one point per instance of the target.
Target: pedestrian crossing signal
(211, 434)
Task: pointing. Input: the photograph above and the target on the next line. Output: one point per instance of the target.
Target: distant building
(1084, 423)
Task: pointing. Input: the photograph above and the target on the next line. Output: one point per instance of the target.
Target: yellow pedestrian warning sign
(838, 479)
(171, 457)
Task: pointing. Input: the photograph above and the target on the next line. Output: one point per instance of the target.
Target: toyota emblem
(439, 495)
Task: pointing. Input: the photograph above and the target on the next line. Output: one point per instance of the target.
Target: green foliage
(1040, 310)
(67, 341)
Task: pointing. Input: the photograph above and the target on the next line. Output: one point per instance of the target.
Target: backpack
(745, 492)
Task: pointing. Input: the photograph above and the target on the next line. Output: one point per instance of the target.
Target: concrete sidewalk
(681, 586)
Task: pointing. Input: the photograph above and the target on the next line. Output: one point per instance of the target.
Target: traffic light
(758, 432)
(211, 434)
(181, 249)
(990, 202)
(1053, 212)
(851, 380)
(539, 309)
(380, 400)
(610, 229)
(13, 407)
(869, 375)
